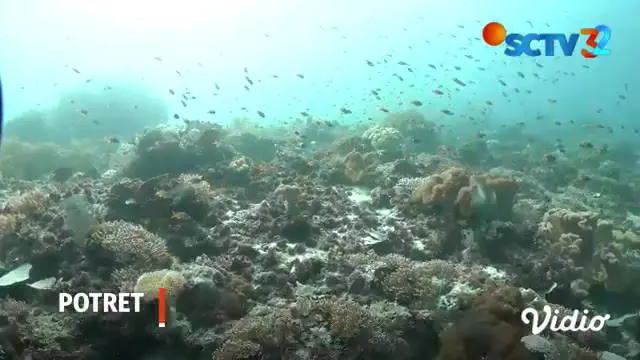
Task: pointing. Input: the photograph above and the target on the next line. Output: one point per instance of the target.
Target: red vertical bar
(162, 311)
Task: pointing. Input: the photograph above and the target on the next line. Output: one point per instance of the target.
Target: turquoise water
(212, 42)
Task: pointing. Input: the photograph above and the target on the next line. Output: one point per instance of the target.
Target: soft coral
(490, 329)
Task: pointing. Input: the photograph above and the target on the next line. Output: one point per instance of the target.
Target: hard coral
(383, 138)
(130, 244)
(575, 243)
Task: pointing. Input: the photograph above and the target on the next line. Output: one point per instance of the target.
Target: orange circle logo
(494, 33)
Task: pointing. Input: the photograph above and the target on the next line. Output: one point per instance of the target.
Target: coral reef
(316, 241)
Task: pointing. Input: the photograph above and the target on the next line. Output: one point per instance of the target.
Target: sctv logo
(495, 34)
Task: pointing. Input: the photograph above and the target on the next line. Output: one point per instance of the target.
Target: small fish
(550, 158)
(260, 113)
(438, 92)
(113, 140)
(416, 102)
(300, 76)
(369, 63)
(447, 112)
(75, 70)
(459, 82)
(384, 110)
(585, 178)
(586, 145)
(345, 111)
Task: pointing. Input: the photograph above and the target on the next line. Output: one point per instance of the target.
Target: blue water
(328, 42)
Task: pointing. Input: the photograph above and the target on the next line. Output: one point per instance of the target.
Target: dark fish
(416, 102)
(62, 174)
(369, 63)
(586, 145)
(459, 82)
(447, 112)
(260, 113)
(1, 114)
(437, 92)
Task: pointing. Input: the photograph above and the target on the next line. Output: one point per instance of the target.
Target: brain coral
(383, 138)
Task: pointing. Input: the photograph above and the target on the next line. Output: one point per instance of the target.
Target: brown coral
(468, 194)
(504, 187)
(354, 166)
(581, 240)
(491, 328)
(442, 187)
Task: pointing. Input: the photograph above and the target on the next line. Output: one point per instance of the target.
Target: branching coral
(28, 203)
(8, 223)
(131, 244)
(48, 333)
